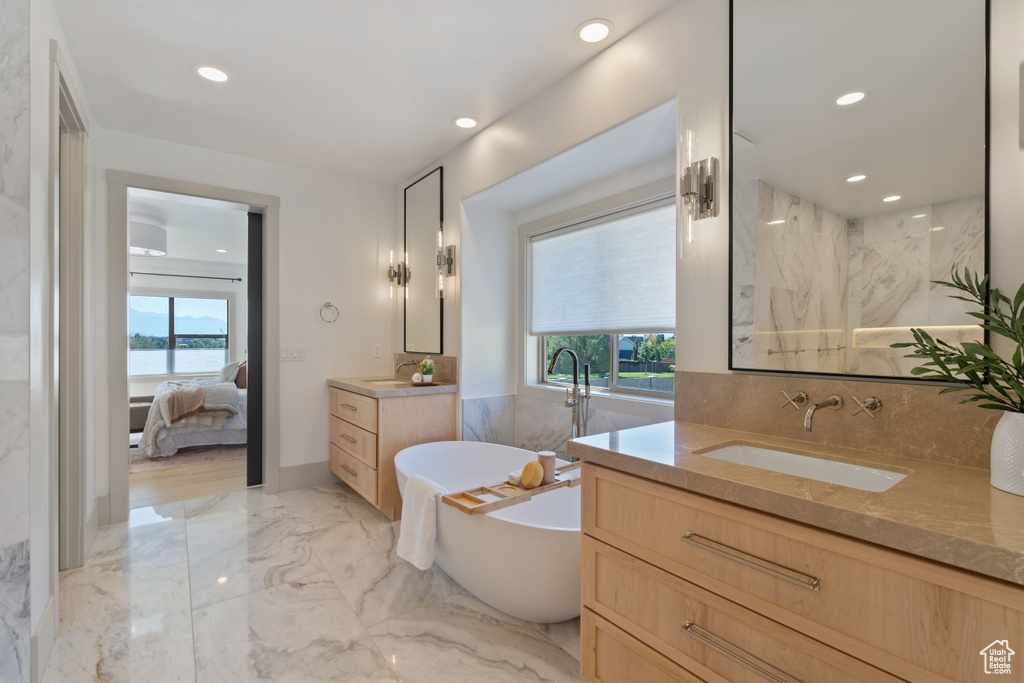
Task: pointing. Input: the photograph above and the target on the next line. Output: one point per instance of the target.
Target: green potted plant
(993, 382)
(427, 370)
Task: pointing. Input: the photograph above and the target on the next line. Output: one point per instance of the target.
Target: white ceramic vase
(427, 379)
(1008, 454)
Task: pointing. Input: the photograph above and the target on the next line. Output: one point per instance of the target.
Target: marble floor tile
(462, 639)
(238, 554)
(152, 537)
(325, 506)
(379, 585)
(236, 502)
(132, 627)
(565, 634)
(299, 631)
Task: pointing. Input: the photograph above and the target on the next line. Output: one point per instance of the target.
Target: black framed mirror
(844, 206)
(424, 220)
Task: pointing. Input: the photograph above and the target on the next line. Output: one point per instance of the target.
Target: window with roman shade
(605, 288)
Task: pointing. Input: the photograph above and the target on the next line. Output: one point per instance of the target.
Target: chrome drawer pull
(348, 438)
(738, 655)
(345, 405)
(807, 581)
(349, 470)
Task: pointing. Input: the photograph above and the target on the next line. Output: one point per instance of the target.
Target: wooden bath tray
(471, 502)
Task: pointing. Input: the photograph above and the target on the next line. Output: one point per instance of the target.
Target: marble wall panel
(744, 259)
(916, 421)
(546, 426)
(446, 368)
(15, 625)
(801, 285)
(490, 419)
(15, 612)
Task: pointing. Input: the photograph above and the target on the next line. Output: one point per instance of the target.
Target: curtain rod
(200, 277)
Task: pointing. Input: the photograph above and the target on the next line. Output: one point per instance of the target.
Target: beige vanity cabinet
(694, 588)
(367, 433)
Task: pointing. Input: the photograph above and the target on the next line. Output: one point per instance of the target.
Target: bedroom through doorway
(189, 371)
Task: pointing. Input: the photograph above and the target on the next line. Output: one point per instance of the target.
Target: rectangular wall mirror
(843, 214)
(424, 216)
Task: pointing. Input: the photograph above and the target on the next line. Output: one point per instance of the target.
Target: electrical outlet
(376, 350)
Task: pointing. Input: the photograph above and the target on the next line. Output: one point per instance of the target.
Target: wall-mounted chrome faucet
(834, 402)
(574, 399)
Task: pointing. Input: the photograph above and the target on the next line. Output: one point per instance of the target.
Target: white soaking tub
(523, 560)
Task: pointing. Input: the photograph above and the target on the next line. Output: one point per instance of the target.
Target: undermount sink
(390, 382)
(808, 467)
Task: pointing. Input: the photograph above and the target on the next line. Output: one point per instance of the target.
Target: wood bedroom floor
(174, 484)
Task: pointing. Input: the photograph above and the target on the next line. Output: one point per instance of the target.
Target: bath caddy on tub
(471, 501)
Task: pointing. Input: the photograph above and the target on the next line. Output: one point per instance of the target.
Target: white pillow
(229, 371)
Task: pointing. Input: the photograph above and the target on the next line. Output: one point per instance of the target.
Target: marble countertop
(388, 387)
(940, 512)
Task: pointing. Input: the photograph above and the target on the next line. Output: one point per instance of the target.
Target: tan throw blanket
(185, 403)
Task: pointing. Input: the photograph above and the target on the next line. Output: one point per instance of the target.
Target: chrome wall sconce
(698, 180)
(398, 274)
(697, 187)
(445, 263)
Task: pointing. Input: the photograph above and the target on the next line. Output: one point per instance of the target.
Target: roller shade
(615, 276)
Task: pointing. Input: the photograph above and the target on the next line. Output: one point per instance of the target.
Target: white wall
(335, 234)
(643, 70)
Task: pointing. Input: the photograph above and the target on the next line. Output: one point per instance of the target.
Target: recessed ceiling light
(938, 227)
(594, 30)
(850, 98)
(222, 251)
(464, 121)
(893, 198)
(778, 222)
(211, 73)
(919, 215)
(856, 178)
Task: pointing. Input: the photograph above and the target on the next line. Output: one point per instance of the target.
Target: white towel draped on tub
(419, 521)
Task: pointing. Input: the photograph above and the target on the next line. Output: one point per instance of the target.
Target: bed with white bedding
(221, 420)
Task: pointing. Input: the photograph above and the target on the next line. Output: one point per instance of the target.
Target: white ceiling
(196, 227)
(919, 133)
(357, 87)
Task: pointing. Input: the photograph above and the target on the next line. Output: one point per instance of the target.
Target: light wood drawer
(356, 440)
(711, 636)
(617, 657)
(355, 473)
(918, 619)
(355, 408)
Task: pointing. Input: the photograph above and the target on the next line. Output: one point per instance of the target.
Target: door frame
(118, 183)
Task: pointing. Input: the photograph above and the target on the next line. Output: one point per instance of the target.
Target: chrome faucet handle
(796, 400)
(869, 406)
(569, 400)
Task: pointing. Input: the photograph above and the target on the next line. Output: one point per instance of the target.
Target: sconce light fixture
(697, 186)
(445, 262)
(698, 179)
(398, 273)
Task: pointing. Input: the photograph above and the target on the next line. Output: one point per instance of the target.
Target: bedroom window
(606, 289)
(170, 335)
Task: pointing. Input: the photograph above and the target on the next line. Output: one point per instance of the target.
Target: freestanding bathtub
(523, 560)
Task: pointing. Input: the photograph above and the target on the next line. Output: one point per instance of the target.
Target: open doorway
(191, 325)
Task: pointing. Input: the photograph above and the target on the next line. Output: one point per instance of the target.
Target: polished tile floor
(300, 586)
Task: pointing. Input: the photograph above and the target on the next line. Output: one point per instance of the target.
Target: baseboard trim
(43, 639)
(92, 529)
(103, 510)
(305, 476)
